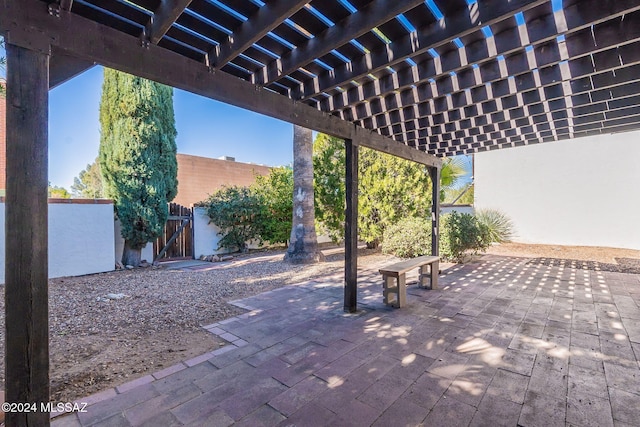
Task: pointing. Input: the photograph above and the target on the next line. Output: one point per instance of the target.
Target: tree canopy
(389, 188)
(88, 183)
(138, 156)
(275, 191)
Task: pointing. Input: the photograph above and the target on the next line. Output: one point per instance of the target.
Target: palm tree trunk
(303, 243)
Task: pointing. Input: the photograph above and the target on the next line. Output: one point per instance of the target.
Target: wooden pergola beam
(351, 228)
(266, 19)
(163, 18)
(114, 49)
(419, 81)
(375, 13)
(433, 36)
(505, 43)
(63, 67)
(585, 88)
(434, 174)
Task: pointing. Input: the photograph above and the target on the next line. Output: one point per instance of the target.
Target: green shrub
(236, 211)
(408, 238)
(460, 234)
(498, 226)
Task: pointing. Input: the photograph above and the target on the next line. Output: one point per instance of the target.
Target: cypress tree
(138, 156)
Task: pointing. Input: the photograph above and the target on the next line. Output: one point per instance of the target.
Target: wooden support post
(351, 229)
(434, 173)
(26, 293)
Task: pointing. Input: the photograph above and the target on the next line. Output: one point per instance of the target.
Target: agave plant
(498, 226)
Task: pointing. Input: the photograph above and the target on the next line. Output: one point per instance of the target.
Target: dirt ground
(97, 343)
(584, 253)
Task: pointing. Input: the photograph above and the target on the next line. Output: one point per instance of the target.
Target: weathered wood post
(26, 293)
(351, 228)
(434, 173)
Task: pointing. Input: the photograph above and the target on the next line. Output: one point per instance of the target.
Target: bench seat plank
(402, 267)
(395, 274)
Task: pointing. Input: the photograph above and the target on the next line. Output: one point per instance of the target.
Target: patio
(503, 342)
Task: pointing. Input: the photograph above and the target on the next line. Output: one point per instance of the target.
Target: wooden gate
(177, 240)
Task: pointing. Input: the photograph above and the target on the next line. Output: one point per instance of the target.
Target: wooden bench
(394, 277)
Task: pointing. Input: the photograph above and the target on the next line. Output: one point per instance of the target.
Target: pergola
(417, 79)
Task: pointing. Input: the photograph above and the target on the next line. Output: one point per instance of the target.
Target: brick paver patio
(502, 342)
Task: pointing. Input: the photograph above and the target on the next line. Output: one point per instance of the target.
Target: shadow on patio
(503, 342)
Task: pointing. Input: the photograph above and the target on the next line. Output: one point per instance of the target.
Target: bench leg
(422, 277)
(402, 291)
(388, 290)
(435, 270)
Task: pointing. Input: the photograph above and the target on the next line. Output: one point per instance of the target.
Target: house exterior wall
(80, 237)
(198, 177)
(580, 192)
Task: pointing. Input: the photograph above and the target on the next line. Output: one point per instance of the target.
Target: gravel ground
(97, 343)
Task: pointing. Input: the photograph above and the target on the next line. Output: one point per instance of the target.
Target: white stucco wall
(205, 235)
(578, 192)
(80, 239)
(147, 251)
(206, 238)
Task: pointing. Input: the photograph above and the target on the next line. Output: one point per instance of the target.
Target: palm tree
(453, 168)
(303, 243)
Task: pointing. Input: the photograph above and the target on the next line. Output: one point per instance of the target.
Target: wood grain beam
(114, 49)
(26, 272)
(63, 67)
(433, 36)
(351, 228)
(434, 174)
(66, 5)
(163, 18)
(504, 143)
(588, 89)
(265, 19)
(580, 43)
(372, 15)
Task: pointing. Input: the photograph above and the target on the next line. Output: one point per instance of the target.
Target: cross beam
(265, 19)
(114, 49)
(375, 13)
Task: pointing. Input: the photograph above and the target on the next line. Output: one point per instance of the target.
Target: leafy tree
(58, 192)
(275, 192)
(390, 188)
(88, 184)
(137, 156)
(329, 185)
(236, 211)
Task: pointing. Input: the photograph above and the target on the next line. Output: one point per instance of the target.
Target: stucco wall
(580, 192)
(80, 239)
(205, 235)
(198, 177)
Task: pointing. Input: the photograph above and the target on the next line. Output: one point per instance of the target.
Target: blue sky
(205, 128)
